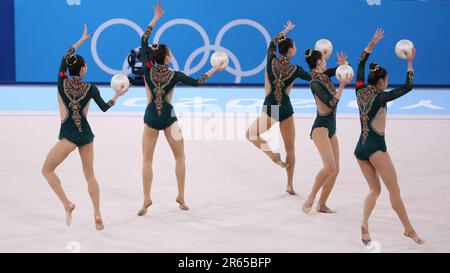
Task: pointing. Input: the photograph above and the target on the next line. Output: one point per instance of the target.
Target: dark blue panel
(7, 46)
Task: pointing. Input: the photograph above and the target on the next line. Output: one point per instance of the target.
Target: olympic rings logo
(205, 49)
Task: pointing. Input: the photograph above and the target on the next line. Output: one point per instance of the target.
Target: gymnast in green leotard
(74, 96)
(323, 131)
(280, 77)
(160, 82)
(371, 152)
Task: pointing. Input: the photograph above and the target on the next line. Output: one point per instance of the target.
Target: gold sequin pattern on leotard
(282, 70)
(202, 79)
(161, 77)
(147, 33)
(69, 54)
(365, 98)
(363, 56)
(325, 81)
(76, 90)
(279, 38)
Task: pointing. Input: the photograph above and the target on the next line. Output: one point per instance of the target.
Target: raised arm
(272, 50)
(400, 91)
(68, 56)
(62, 74)
(145, 53)
(360, 74)
(361, 71)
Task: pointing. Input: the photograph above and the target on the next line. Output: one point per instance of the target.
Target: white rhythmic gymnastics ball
(120, 82)
(219, 58)
(343, 71)
(404, 46)
(324, 46)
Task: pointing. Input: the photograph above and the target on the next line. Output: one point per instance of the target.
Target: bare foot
(308, 205)
(99, 223)
(324, 209)
(143, 210)
(290, 190)
(277, 159)
(182, 204)
(69, 209)
(365, 237)
(413, 235)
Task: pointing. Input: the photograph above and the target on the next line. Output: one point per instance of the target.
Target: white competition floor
(235, 193)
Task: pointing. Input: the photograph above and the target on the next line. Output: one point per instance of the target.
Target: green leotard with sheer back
(280, 74)
(324, 93)
(76, 95)
(372, 110)
(161, 81)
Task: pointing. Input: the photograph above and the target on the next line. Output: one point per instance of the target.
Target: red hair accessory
(359, 83)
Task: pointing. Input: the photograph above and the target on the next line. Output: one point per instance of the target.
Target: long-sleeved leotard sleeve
(183, 78)
(104, 106)
(302, 74)
(385, 97)
(360, 73)
(272, 50)
(324, 95)
(62, 73)
(145, 52)
(330, 72)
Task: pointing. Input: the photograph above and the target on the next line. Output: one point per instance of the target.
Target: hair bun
(155, 47)
(308, 52)
(374, 67)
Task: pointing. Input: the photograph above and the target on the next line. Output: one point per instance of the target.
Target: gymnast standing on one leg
(371, 151)
(74, 96)
(280, 77)
(160, 82)
(323, 132)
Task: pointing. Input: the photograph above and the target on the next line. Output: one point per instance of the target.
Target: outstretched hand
(288, 27)
(379, 34)
(158, 11)
(122, 91)
(221, 67)
(86, 35)
(342, 57)
(410, 57)
(83, 38)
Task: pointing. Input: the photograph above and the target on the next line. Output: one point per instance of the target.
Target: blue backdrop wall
(45, 29)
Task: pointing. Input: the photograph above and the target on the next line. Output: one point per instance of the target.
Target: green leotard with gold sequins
(75, 95)
(281, 75)
(372, 109)
(324, 92)
(161, 81)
